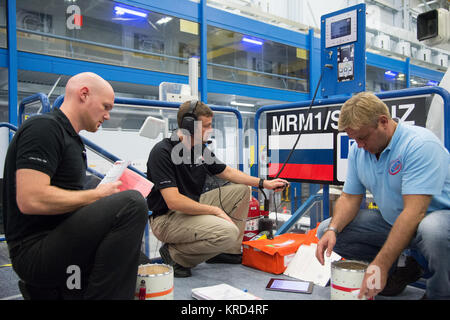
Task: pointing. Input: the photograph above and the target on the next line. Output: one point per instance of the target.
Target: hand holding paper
(130, 179)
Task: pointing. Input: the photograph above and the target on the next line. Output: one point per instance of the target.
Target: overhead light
(122, 10)
(253, 41)
(390, 74)
(163, 20)
(241, 104)
(427, 3)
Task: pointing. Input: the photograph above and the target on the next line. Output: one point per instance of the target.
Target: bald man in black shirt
(55, 230)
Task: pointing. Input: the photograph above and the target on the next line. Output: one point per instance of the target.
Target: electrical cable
(220, 195)
(282, 168)
(306, 117)
(329, 66)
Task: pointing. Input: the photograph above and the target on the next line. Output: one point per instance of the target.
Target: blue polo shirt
(414, 162)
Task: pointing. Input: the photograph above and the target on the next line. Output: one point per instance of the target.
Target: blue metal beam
(164, 104)
(426, 73)
(3, 58)
(203, 52)
(408, 72)
(35, 97)
(229, 21)
(259, 92)
(299, 213)
(383, 62)
(177, 8)
(58, 65)
(12, 61)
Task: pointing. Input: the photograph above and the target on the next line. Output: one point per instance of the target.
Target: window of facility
(107, 32)
(241, 58)
(2, 23)
(378, 80)
(128, 119)
(416, 81)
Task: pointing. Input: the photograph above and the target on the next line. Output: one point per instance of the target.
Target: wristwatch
(261, 183)
(332, 229)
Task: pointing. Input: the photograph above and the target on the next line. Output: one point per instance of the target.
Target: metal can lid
(350, 265)
(154, 270)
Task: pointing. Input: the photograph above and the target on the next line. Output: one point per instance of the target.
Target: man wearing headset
(197, 227)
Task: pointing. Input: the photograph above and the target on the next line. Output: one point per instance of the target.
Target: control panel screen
(341, 28)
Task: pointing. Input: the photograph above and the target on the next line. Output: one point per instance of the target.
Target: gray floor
(239, 276)
(255, 281)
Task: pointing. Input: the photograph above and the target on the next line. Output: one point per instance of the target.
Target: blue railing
(8, 125)
(126, 101)
(163, 104)
(31, 99)
(104, 45)
(340, 100)
(121, 49)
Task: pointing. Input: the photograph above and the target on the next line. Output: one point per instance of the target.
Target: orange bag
(274, 255)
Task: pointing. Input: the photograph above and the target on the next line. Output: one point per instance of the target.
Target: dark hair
(201, 109)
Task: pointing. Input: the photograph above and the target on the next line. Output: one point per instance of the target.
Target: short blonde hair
(363, 109)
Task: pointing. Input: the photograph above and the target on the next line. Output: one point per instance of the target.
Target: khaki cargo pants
(193, 239)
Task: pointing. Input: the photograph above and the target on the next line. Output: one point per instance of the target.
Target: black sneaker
(178, 270)
(226, 258)
(401, 277)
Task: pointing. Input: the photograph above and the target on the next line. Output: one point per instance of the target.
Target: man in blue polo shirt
(406, 168)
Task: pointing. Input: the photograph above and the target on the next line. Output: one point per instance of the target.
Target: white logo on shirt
(37, 159)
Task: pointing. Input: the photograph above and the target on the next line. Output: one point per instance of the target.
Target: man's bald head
(88, 100)
(90, 80)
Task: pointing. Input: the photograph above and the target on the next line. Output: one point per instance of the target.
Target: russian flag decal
(312, 159)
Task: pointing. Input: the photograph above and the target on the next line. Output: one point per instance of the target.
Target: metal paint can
(158, 280)
(346, 279)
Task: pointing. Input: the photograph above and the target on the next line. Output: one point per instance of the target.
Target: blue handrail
(340, 100)
(98, 44)
(164, 104)
(150, 53)
(8, 125)
(35, 97)
(382, 95)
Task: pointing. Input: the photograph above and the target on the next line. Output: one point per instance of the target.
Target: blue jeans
(363, 238)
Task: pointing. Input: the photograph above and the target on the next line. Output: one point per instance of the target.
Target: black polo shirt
(49, 144)
(171, 164)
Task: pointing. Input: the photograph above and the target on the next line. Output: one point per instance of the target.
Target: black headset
(189, 118)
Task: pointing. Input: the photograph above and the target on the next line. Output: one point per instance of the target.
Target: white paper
(305, 266)
(116, 171)
(222, 292)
